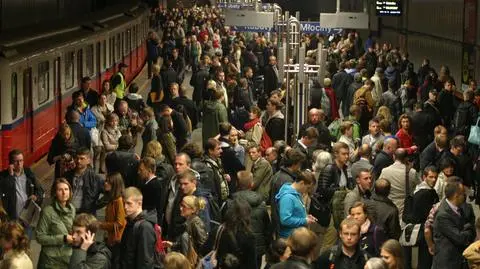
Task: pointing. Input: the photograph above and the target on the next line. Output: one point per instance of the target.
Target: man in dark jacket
(86, 184)
(466, 115)
(422, 127)
(385, 213)
(260, 221)
(150, 187)
(431, 107)
(332, 179)
(352, 88)
(124, 161)
(288, 172)
(305, 145)
(231, 164)
(137, 248)
(347, 254)
(447, 103)
(87, 253)
(179, 99)
(199, 81)
(432, 154)
(18, 185)
(303, 243)
(271, 76)
(169, 76)
(452, 232)
(79, 132)
(340, 83)
(91, 96)
(180, 130)
(424, 197)
(385, 157)
(178, 64)
(324, 138)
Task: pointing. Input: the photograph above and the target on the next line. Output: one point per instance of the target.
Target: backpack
(159, 251)
(461, 120)
(265, 142)
(325, 103)
(338, 208)
(334, 128)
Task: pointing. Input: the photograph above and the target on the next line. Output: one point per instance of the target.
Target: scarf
(249, 125)
(364, 227)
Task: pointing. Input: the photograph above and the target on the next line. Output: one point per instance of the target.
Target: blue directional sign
(307, 28)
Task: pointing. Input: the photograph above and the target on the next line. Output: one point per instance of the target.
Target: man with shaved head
(365, 154)
(385, 211)
(396, 174)
(316, 119)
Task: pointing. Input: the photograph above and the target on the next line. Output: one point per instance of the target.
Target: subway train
(39, 73)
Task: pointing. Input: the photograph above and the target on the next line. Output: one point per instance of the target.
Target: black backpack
(461, 120)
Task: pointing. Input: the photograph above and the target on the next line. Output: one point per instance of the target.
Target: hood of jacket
(100, 247)
(287, 189)
(254, 199)
(390, 72)
(150, 216)
(134, 96)
(210, 106)
(422, 186)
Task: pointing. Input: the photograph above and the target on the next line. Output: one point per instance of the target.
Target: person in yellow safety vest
(118, 82)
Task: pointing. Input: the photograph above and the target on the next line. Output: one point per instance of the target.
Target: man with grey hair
(316, 119)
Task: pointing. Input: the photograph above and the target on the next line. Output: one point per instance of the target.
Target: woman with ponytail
(15, 244)
(195, 235)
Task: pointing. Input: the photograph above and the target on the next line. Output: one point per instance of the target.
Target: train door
(28, 110)
(57, 92)
(98, 54)
(79, 66)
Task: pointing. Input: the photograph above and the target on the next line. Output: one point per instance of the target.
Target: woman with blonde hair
(63, 144)
(176, 260)
(195, 235)
(154, 150)
(384, 113)
(15, 244)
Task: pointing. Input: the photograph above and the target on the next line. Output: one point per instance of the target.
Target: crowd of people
(383, 166)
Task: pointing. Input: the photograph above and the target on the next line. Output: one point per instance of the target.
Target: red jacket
(406, 141)
(333, 103)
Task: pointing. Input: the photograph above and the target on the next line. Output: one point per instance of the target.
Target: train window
(104, 54)
(43, 86)
(118, 47)
(111, 45)
(123, 44)
(89, 66)
(14, 96)
(134, 37)
(69, 67)
(129, 41)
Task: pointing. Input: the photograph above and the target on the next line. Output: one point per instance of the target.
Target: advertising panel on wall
(469, 38)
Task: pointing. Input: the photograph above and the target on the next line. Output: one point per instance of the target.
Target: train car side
(38, 85)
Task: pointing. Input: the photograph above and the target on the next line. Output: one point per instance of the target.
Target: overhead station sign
(307, 28)
(388, 8)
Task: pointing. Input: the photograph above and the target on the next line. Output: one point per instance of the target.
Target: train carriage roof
(27, 43)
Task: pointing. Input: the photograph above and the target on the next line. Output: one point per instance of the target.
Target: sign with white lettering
(307, 28)
(388, 7)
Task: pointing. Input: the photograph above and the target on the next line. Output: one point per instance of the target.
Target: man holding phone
(18, 185)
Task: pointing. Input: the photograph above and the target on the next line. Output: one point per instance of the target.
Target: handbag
(30, 213)
(411, 232)
(474, 136)
(210, 261)
(95, 135)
